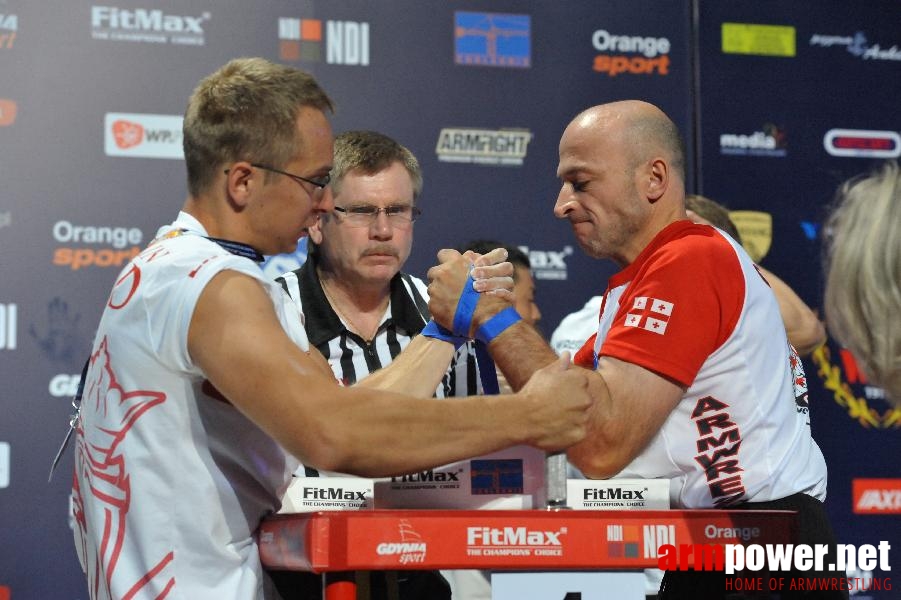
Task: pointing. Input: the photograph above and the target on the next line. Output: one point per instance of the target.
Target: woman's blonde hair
(863, 274)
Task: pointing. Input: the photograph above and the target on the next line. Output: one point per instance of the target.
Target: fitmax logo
(427, 476)
(548, 264)
(512, 536)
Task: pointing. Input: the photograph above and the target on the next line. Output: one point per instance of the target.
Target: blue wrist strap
(466, 306)
(434, 330)
(487, 372)
(497, 324)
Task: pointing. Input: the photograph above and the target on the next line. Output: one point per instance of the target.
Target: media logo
(496, 476)
(548, 264)
(756, 231)
(630, 54)
(143, 135)
(4, 465)
(123, 244)
(857, 45)
(346, 42)
(504, 147)
(410, 550)
(623, 541)
(862, 143)
(759, 40)
(8, 326)
(492, 39)
(877, 496)
(769, 142)
(8, 110)
(9, 26)
(147, 26)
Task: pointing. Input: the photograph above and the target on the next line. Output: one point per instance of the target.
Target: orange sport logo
(630, 54)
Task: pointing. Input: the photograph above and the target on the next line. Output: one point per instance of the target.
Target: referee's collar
(323, 323)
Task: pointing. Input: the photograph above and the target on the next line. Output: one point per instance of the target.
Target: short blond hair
(246, 110)
(863, 274)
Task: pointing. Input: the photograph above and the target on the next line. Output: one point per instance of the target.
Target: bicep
(239, 344)
(631, 405)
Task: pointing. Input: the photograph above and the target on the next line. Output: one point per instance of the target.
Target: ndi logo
(346, 42)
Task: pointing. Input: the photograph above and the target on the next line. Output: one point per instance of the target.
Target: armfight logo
(143, 135)
(504, 147)
(147, 26)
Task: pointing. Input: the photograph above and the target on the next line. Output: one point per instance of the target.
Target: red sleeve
(682, 303)
(585, 355)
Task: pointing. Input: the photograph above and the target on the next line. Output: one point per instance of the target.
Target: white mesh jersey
(171, 481)
(693, 308)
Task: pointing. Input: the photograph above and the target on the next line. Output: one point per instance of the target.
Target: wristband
(434, 330)
(466, 306)
(497, 324)
(487, 371)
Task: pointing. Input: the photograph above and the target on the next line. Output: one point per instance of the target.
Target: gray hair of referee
(863, 274)
(372, 152)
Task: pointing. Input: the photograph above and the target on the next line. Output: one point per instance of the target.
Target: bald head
(642, 129)
(622, 169)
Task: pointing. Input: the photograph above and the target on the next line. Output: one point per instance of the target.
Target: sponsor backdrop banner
(778, 104)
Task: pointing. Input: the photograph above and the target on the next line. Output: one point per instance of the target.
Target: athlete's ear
(240, 180)
(657, 180)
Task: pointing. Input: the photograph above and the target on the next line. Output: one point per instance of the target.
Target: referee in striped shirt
(360, 310)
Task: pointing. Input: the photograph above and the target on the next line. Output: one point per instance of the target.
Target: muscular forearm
(520, 351)
(416, 371)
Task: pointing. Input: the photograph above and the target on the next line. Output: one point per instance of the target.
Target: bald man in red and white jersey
(697, 381)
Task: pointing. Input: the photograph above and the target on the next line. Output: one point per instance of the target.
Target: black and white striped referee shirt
(350, 357)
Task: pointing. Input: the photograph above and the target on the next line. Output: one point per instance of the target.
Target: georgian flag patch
(651, 314)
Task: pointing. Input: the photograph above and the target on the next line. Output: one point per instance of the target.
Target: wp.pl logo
(143, 135)
(127, 134)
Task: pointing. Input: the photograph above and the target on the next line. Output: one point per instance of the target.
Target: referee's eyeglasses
(365, 215)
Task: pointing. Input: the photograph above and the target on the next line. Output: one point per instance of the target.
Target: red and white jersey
(693, 308)
(171, 481)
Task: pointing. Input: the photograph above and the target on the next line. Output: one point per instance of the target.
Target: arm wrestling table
(339, 542)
